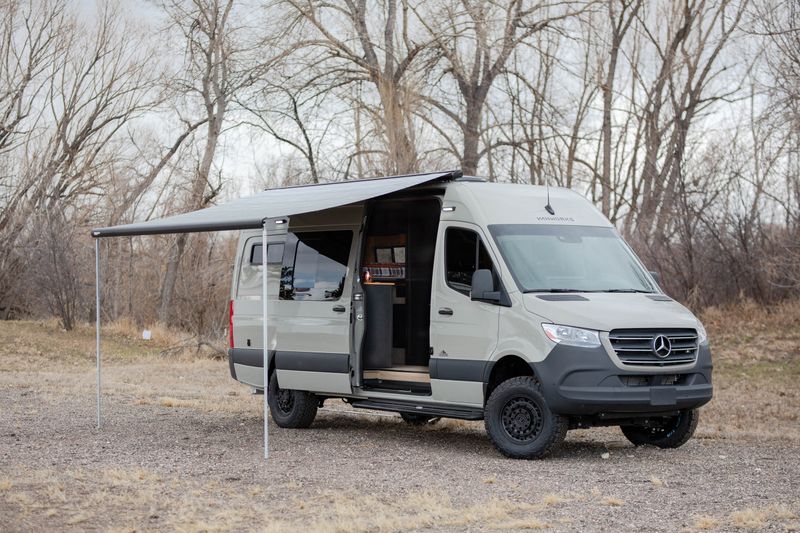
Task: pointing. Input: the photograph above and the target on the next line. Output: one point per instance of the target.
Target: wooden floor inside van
(414, 373)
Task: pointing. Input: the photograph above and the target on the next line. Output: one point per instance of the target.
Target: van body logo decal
(661, 346)
(555, 219)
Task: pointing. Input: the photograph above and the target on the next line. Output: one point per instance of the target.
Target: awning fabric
(250, 212)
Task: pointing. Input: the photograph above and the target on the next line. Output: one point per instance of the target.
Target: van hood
(607, 311)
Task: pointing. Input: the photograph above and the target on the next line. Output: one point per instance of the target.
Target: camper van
(513, 304)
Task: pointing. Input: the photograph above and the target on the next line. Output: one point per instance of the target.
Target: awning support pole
(97, 319)
(264, 334)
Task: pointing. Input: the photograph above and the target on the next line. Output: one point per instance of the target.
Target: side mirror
(483, 289)
(656, 276)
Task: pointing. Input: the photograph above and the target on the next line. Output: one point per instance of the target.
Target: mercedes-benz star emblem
(661, 346)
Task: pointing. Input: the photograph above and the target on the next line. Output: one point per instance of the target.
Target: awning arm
(264, 333)
(97, 319)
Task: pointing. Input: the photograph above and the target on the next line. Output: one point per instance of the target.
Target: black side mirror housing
(483, 289)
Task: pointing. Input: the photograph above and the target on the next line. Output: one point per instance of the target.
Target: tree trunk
(469, 159)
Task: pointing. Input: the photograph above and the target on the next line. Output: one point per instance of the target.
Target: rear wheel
(291, 408)
(519, 422)
(675, 431)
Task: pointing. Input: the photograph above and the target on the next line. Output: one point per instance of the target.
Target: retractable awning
(250, 212)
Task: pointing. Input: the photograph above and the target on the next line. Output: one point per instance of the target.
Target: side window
(274, 253)
(316, 266)
(250, 272)
(464, 253)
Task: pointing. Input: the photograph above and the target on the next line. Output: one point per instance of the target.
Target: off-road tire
(416, 419)
(677, 431)
(519, 422)
(291, 408)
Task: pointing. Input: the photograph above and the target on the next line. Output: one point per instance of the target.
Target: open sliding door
(313, 312)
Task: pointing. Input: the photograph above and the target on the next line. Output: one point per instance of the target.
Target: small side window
(274, 253)
(464, 253)
(250, 272)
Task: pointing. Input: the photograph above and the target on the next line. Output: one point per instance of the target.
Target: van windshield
(553, 258)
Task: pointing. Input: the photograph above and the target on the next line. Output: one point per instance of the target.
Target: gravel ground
(193, 461)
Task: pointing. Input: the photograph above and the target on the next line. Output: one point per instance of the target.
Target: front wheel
(519, 422)
(675, 432)
(291, 408)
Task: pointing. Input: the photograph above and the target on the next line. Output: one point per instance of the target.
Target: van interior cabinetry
(396, 271)
(378, 338)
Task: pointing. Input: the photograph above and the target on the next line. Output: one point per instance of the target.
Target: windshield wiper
(559, 290)
(628, 290)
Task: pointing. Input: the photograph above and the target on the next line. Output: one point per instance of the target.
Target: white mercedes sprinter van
(471, 300)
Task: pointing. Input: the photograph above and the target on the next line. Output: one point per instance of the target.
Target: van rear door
(314, 311)
(246, 353)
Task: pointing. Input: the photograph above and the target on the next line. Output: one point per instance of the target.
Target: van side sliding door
(313, 313)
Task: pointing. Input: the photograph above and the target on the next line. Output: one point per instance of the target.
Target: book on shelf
(384, 271)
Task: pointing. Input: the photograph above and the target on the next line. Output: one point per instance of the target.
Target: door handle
(445, 311)
(339, 308)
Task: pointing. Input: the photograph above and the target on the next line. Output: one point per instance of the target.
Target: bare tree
(475, 40)
(347, 51)
(621, 14)
(687, 54)
(214, 71)
(29, 36)
(94, 81)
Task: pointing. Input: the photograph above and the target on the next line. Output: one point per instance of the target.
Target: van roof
(516, 203)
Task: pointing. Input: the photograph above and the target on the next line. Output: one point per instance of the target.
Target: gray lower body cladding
(305, 361)
(575, 381)
(584, 381)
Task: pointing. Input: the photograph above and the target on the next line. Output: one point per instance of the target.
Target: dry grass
(757, 357)
(706, 522)
(161, 335)
(524, 524)
(139, 499)
(28, 344)
(177, 402)
(748, 519)
(747, 332)
(755, 519)
(554, 499)
(756, 369)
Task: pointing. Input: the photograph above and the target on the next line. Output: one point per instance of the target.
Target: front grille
(653, 380)
(636, 347)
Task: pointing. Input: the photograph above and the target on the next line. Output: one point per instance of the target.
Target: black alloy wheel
(522, 419)
(291, 408)
(285, 400)
(519, 422)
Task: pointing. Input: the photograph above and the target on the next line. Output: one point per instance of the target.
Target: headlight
(567, 335)
(702, 336)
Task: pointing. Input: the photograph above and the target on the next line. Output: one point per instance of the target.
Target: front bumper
(584, 381)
